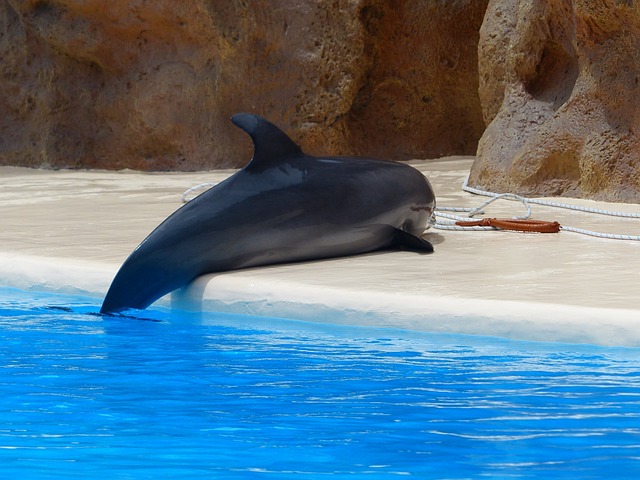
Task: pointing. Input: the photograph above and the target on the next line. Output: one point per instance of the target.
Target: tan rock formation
(560, 94)
(151, 85)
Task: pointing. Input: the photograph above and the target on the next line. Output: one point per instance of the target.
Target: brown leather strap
(539, 226)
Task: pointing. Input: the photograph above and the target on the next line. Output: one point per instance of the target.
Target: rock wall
(559, 85)
(151, 85)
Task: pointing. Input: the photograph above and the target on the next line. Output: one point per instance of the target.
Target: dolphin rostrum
(284, 206)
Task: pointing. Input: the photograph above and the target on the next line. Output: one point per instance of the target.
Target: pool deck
(69, 231)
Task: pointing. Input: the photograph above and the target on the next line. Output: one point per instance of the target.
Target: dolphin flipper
(412, 242)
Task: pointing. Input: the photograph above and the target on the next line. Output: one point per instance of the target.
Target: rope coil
(520, 223)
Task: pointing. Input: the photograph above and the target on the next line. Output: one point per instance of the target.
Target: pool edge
(242, 293)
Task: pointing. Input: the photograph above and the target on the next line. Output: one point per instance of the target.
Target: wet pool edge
(259, 295)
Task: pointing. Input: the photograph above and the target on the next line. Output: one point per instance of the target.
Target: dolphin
(283, 206)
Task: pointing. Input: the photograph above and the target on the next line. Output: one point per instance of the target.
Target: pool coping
(390, 290)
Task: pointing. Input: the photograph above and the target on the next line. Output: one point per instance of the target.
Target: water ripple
(233, 397)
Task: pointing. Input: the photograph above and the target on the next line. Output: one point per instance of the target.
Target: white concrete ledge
(69, 232)
(242, 294)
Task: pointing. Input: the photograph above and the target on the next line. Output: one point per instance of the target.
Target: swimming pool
(194, 396)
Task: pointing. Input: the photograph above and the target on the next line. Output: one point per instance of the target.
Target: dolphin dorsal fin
(270, 144)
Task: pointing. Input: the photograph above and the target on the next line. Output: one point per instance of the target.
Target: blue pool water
(219, 396)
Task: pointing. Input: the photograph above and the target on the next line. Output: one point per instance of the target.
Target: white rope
(187, 192)
(612, 236)
(447, 225)
(439, 213)
(546, 203)
(452, 226)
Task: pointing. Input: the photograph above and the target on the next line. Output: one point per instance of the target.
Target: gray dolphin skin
(284, 206)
